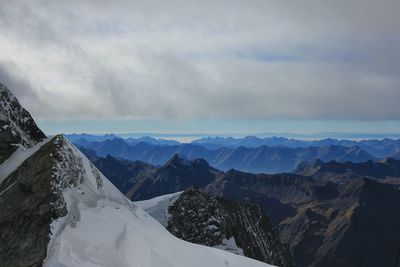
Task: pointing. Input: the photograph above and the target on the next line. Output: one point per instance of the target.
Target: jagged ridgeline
(57, 209)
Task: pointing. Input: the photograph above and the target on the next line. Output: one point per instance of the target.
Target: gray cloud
(201, 59)
(22, 88)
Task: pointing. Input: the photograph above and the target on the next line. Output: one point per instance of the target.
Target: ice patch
(158, 207)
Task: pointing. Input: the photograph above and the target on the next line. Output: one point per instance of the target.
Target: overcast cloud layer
(253, 59)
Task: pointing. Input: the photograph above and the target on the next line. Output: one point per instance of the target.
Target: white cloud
(199, 59)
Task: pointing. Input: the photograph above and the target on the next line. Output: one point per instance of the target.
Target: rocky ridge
(239, 228)
(17, 127)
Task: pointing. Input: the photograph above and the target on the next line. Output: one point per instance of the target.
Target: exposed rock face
(216, 222)
(30, 200)
(16, 125)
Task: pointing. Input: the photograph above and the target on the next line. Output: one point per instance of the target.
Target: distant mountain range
(89, 138)
(377, 148)
(256, 160)
(381, 148)
(326, 212)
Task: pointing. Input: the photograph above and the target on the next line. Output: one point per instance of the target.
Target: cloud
(9, 75)
(202, 59)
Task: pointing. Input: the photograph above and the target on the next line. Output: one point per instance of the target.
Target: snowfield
(103, 228)
(118, 236)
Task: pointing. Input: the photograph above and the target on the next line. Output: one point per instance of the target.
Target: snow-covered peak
(16, 124)
(78, 179)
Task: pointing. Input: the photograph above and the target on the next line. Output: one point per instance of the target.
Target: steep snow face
(103, 228)
(16, 124)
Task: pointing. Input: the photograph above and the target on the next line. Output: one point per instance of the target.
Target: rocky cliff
(240, 228)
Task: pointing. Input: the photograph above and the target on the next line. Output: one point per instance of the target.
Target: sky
(204, 66)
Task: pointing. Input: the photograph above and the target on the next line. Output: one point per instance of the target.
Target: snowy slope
(103, 228)
(158, 207)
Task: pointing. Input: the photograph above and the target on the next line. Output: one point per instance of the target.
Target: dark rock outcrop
(217, 222)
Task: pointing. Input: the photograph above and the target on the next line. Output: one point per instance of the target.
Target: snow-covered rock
(16, 125)
(16, 120)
